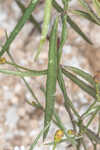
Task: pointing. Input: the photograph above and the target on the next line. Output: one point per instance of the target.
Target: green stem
(90, 108)
(19, 26)
(26, 83)
(32, 19)
(91, 119)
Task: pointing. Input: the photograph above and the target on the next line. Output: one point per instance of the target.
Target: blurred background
(20, 123)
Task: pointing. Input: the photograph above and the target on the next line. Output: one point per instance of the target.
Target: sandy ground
(20, 123)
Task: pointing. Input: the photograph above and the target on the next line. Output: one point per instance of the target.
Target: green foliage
(51, 76)
(56, 71)
(47, 14)
(63, 36)
(19, 26)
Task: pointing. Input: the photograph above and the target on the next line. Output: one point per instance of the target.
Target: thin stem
(58, 121)
(91, 119)
(67, 102)
(90, 107)
(92, 136)
(26, 83)
(32, 19)
(21, 67)
(19, 26)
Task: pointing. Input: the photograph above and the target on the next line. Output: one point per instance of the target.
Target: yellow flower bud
(2, 60)
(71, 132)
(58, 135)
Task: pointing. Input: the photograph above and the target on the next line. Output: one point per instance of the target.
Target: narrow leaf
(88, 89)
(37, 138)
(47, 14)
(51, 77)
(89, 10)
(23, 74)
(78, 30)
(82, 74)
(67, 101)
(71, 22)
(56, 118)
(19, 26)
(32, 19)
(26, 83)
(63, 36)
(84, 15)
(20, 67)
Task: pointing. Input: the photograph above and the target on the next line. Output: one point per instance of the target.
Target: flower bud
(58, 135)
(2, 60)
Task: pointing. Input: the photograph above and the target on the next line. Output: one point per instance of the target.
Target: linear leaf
(88, 89)
(89, 10)
(20, 67)
(78, 30)
(82, 74)
(85, 15)
(32, 19)
(67, 101)
(56, 119)
(71, 22)
(63, 36)
(24, 74)
(26, 83)
(37, 138)
(51, 77)
(19, 26)
(47, 14)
